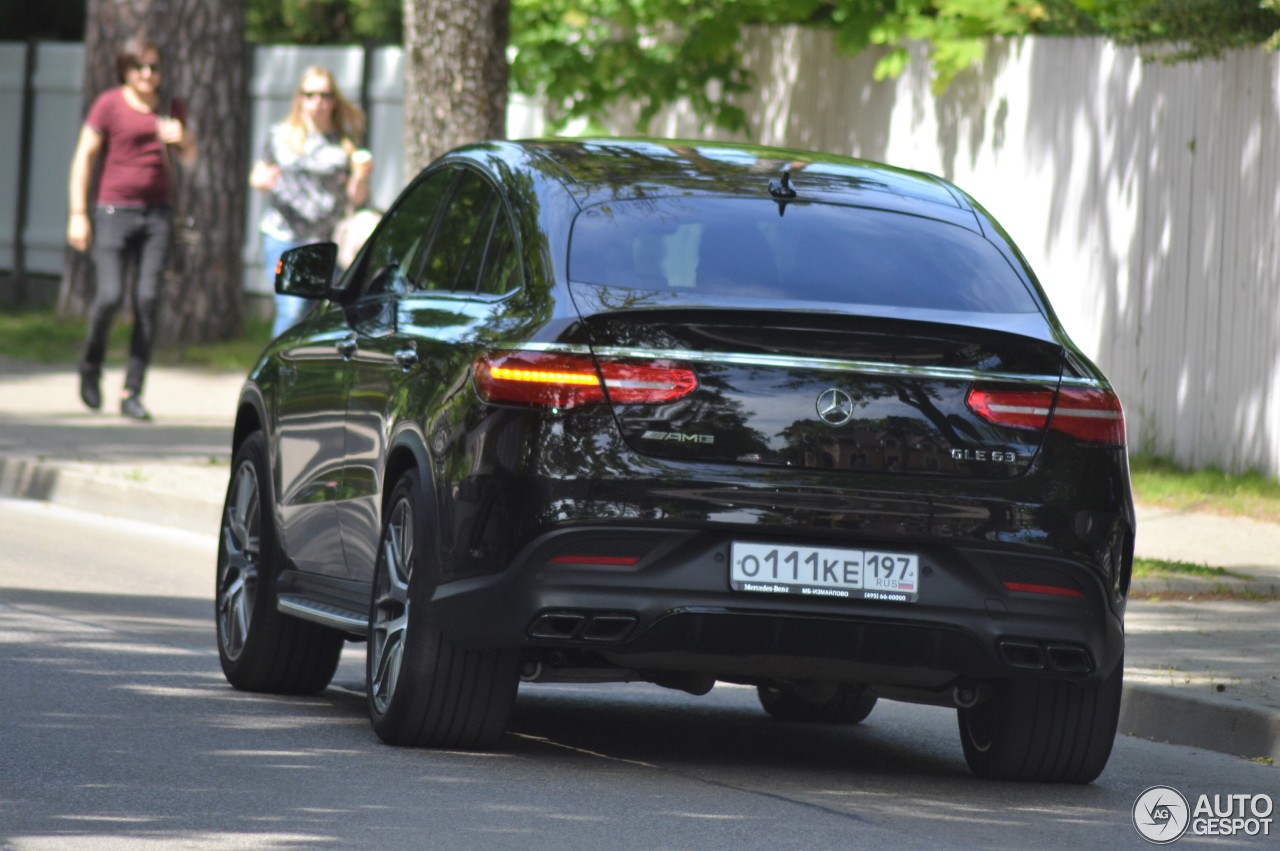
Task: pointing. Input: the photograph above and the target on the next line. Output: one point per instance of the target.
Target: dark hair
(130, 54)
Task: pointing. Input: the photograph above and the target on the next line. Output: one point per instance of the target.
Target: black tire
(1043, 731)
(260, 648)
(424, 690)
(849, 705)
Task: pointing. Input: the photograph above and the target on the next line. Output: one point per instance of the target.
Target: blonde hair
(348, 119)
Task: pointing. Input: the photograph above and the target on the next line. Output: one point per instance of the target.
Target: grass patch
(1161, 568)
(1161, 482)
(1155, 568)
(42, 337)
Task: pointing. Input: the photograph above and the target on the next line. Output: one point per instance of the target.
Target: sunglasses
(321, 95)
(153, 67)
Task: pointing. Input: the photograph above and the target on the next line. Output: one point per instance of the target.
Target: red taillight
(1017, 408)
(1086, 413)
(569, 380)
(630, 383)
(1089, 414)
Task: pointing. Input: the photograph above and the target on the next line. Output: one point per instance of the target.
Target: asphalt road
(119, 731)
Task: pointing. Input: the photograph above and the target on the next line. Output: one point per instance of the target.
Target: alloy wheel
(241, 534)
(390, 618)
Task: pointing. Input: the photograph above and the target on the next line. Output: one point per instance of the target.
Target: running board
(323, 613)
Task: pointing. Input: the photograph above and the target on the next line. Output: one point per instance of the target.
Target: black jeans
(123, 236)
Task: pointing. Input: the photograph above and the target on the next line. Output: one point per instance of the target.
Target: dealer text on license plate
(825, 572)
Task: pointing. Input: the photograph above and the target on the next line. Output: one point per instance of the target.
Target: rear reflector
(1086, 413)
(1051, 590)
(597, 560)
(569, 380)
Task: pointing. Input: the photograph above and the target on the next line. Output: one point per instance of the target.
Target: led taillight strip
(1020, 410)
(570, 379)
(539, 376)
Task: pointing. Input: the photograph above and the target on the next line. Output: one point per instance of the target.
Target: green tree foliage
(1169, 30)
(323, 21)
(585, 56)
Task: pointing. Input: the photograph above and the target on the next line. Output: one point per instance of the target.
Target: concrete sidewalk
(1202, 657)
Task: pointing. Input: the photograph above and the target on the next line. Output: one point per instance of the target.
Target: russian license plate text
(825, 572)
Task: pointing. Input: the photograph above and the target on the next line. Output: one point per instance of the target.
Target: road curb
(1167, 714)
(117, 496)
(27, 479)
(1174, 586)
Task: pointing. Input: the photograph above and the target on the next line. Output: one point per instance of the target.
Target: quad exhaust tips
(1045, 656)
(591, 627)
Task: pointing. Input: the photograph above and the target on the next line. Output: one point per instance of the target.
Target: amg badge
(679, 437)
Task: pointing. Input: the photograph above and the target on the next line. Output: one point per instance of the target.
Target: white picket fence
(1145, 196)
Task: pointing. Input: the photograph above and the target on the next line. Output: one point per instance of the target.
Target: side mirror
(308, 270)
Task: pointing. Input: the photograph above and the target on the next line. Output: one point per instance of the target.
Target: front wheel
(260, 648)
(423, 689)
(1043, 731)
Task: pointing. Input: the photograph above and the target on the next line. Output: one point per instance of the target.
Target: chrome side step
(323, 613)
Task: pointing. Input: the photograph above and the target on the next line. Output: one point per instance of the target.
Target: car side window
(455, 258)
(501, 272)
(469, 271)
(394, 256)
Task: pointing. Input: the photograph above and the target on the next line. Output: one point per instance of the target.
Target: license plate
(825, 572)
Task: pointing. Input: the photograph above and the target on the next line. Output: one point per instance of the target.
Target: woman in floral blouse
(311, 172)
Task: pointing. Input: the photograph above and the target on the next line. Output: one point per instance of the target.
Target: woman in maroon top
(136, 137)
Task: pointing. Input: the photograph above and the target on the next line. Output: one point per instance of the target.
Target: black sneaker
(131, 407)
(91, 387)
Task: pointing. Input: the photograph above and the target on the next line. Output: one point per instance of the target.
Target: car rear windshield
(813, 252)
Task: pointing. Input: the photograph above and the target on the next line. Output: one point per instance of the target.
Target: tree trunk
(455, 77)
(205, 62)
(204, 45)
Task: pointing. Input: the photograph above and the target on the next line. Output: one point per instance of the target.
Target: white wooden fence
(1145, 196)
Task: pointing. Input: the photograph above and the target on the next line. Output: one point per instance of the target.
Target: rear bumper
(673, 610)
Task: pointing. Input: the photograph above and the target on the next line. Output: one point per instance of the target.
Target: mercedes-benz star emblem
(835, 407)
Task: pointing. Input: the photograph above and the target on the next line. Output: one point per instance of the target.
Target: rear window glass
(814, 252)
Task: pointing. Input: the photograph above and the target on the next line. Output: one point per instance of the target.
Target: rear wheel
(260, 648)
(1044, 731)
(423, 689)
(847, 705)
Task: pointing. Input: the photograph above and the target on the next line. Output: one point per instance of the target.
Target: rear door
(413, 351)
